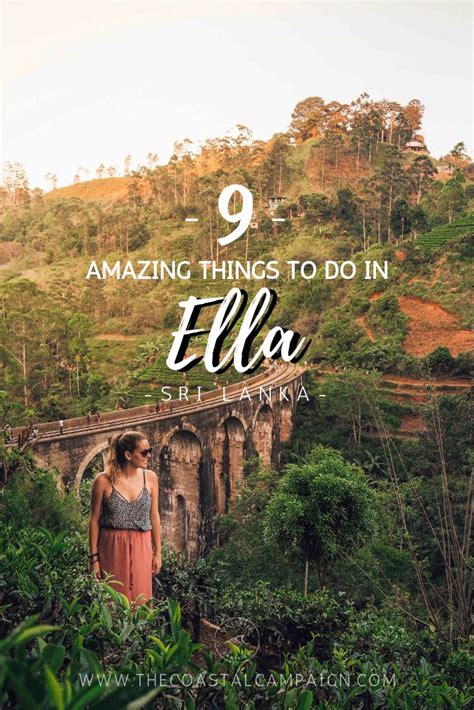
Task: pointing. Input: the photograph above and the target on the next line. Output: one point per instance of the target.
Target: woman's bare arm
(155, 522)
(97, 493)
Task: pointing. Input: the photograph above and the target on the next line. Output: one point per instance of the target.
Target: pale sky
(90, 82)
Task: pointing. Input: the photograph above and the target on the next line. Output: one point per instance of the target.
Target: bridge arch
(180, 467)
(234, 414)
(228, 454)
(184, 426)
(263, 433)
(98, 449)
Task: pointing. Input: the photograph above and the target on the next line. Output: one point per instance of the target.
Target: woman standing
(124, 531)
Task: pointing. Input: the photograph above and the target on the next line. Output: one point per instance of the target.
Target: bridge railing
(172, 407)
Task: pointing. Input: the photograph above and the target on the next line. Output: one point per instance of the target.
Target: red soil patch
(431, 326)
(400, 255)
(374, 296)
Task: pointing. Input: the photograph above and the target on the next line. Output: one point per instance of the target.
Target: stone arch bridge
(199, 447)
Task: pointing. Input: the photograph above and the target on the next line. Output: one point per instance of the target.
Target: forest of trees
(357, 164)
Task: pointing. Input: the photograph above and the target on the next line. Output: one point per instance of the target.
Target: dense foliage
(83, 646)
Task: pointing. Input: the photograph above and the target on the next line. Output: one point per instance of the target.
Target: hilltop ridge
(111, 188)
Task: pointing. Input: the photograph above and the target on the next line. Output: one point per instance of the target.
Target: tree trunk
(364, 233)
(306, 573)
(209, 216)
(390, 203)
(379, 220)
(23, 363)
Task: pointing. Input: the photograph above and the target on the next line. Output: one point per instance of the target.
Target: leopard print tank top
(121, 514)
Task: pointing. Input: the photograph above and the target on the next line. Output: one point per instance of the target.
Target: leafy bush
(441, 362)
(385, 317)
(196, 586)
(322, 507)
(358, 680)
(285, 619)
(64, 675)
(31, 496)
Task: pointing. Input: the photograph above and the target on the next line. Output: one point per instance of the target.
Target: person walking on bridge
(124, 530)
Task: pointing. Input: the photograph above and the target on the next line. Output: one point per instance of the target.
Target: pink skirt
(127, 555)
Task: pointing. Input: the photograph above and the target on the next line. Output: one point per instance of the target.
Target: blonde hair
(119, 444)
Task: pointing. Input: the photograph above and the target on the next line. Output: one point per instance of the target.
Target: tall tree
(128, 164)
(275, 167)
(322, 507)
(452, 199)
(308, 119)
(457, 157)
(400, 218)
(33, 337)
(421, 173)
(390, 183)
(53, 178)
(16, 185)
(414, 111)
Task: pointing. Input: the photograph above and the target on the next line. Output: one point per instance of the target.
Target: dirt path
(436, 274)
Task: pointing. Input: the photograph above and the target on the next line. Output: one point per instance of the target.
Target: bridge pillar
(249, 447)
(207, 500)
(275, 452)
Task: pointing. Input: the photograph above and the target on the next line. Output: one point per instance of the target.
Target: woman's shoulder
(101, 480)
(150, 476)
